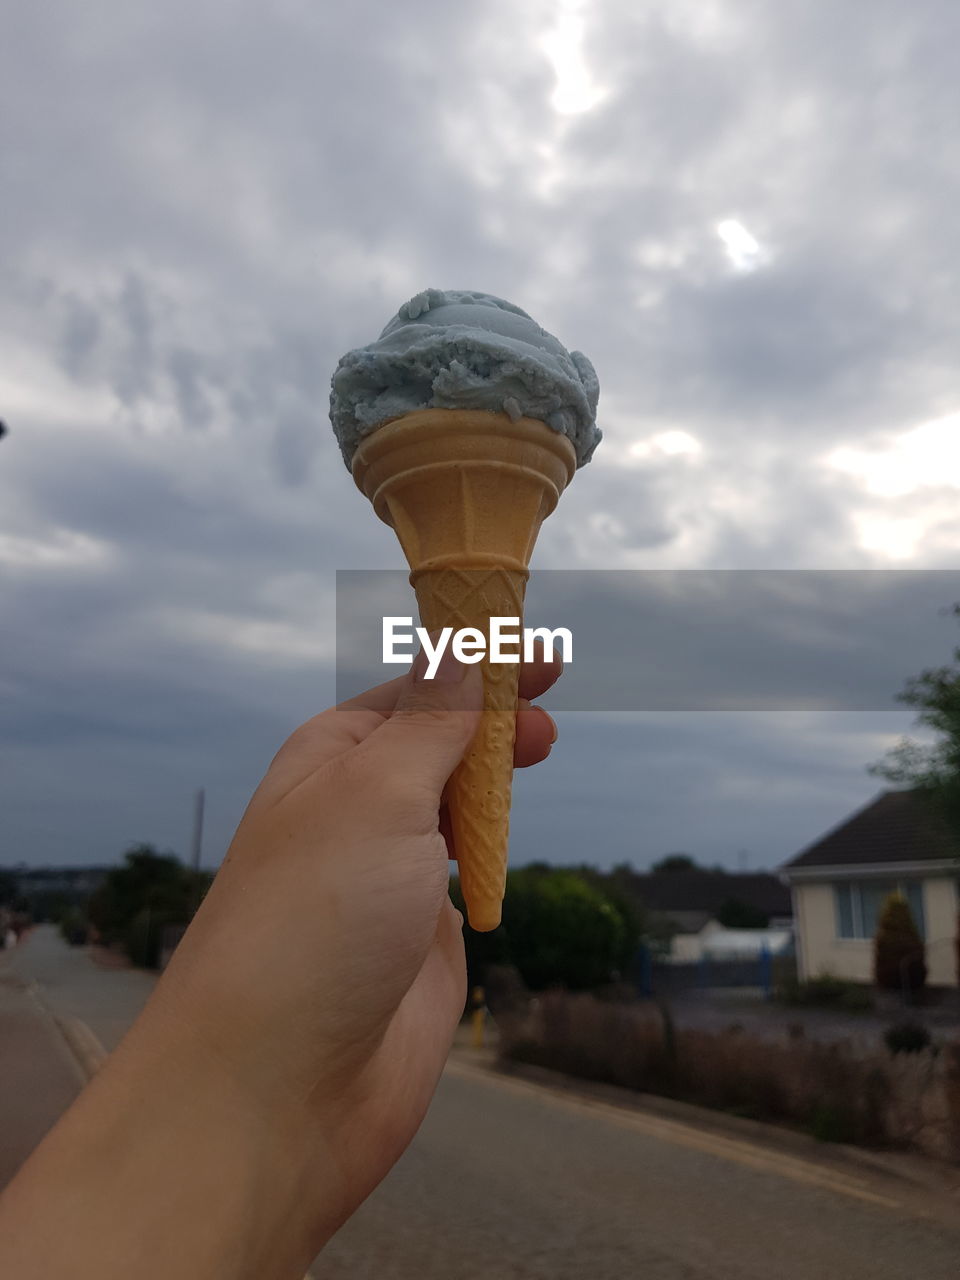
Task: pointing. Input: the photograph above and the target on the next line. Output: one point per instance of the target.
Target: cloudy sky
(744, 213)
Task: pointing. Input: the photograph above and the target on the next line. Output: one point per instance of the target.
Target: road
(508, 1181)
(72, 985)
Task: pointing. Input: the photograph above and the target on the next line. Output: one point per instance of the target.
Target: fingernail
(553, 727)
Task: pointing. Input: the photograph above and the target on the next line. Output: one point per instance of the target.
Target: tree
(9, 888)
(933, 769)
(562, 931)
(898, 953)
(675, 862)
(734, 914)
(558, 930)
(136, 901)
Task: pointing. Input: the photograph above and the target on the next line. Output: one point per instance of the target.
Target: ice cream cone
(466, 492)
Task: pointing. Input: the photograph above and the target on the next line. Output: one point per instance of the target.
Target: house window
(859, 903)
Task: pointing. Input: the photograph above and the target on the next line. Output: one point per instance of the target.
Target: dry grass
(838, 1092)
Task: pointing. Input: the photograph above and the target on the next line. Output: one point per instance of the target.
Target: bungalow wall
(821, 949)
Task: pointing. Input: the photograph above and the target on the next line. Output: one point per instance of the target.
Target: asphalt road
(508, 1180)
(72, 985)
(505, 1181)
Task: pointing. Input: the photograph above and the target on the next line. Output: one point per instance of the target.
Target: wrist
(166, 1166)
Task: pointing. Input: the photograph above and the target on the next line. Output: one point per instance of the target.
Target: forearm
(163, 1168)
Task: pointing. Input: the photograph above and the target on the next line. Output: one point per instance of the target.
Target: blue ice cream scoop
(456, 349)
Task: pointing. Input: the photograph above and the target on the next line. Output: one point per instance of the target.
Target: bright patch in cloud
(34, 392)
(575, 91)
(895, 538)
(672, 444)
(743, 249)
(927, 456)
(279, 642)
(61, 549)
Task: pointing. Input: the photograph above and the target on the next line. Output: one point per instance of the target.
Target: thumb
(432, 725)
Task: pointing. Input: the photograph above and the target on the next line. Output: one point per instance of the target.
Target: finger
(536, 677)
(417, 748)
(540, 673)
(536, 734)
(324, 736)
(382, 698)
(340, 728)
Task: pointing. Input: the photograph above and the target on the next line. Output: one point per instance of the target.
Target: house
(688, 899)
(839, 884)
(687, 904)
(711, 941)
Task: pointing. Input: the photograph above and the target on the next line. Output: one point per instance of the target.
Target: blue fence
(654, 977)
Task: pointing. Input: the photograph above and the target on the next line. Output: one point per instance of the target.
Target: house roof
(687, 921)
(895, 827)
(700, 891)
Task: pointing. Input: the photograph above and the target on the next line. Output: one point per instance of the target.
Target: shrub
(825, 990)
(559, 929)
(614, 1044)
(898, 954)
(143, 937)
(504, 991)
(907, 1037)
(829, 1090)
(74, 927)
(856, 999)
(137, 899)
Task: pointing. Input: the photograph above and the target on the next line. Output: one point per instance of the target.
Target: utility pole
(198, 804)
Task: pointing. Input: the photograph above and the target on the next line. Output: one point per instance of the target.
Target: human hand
(324, 973)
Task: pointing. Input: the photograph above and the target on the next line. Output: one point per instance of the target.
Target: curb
(920, 1173)
(87, 1051)
(84, 1050)
(61, 1046)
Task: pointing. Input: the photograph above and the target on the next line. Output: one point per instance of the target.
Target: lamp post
(198, 806)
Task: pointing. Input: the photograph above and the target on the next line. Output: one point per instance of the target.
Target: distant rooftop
(702, 891)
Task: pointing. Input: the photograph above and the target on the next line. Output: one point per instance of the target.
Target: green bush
(559, 929)
(137, 900)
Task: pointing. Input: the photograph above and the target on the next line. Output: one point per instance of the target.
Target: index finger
(536, 677)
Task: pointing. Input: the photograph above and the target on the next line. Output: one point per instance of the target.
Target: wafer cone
(466, 492)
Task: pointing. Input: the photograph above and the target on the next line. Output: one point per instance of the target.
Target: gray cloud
(196, 228)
